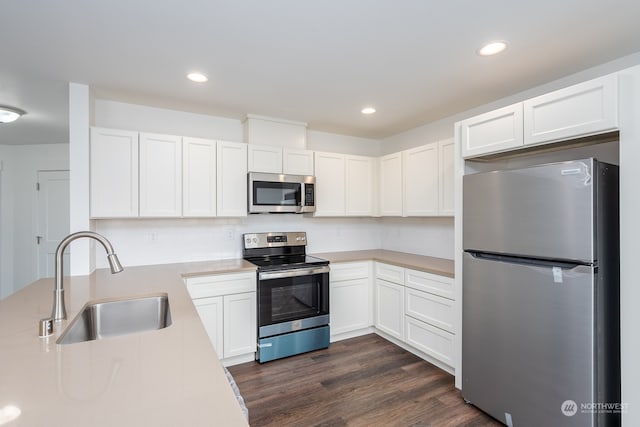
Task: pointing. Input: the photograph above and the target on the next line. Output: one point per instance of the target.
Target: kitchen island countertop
(167, 377)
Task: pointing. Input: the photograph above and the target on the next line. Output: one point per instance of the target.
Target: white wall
(334, 143)
(18, 203)
(422, 236)
(155, 241)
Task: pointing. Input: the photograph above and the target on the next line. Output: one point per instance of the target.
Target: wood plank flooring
(363, 381)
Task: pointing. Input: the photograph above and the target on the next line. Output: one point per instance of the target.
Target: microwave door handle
(267, 275)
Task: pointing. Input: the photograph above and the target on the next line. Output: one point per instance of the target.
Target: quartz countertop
(440, 266)
(168, 377)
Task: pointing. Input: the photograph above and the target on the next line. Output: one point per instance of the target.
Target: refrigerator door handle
(514, 259)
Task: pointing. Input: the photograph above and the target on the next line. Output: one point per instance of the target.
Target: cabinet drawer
(390, 273)
(429, 339)
(432, 283)
(349, 271)
(430, 308)
(222, 284)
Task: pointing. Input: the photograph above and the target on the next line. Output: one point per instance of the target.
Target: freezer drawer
(542, 211)
(528, 341)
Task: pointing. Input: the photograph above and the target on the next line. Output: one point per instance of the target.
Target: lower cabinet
(351, 297)
(226, 304)
(414, 307)
(390, 308)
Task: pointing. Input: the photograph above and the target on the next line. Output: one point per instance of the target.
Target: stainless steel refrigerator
(540, 332)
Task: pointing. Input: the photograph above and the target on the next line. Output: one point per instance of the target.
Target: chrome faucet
(59, 311)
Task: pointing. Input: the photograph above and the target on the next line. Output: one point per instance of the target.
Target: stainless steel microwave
(274, 193)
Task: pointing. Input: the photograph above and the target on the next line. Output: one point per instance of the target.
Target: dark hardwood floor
(364, 381)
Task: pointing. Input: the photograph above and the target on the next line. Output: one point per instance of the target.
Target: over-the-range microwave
(275, 193)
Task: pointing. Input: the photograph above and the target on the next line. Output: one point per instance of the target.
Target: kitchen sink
(114, 317)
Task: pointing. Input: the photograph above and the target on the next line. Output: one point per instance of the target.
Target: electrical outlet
(229, 233)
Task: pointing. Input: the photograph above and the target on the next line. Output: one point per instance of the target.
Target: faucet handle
(45, 327)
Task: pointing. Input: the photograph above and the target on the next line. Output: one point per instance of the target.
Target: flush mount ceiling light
(368, 110)
(197, 77)
(10, 114)
(492, 48)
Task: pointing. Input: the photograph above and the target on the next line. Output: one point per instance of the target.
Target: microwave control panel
(309, 194)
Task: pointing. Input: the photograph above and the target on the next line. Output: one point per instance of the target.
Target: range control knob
(247, 240)
(255, 240)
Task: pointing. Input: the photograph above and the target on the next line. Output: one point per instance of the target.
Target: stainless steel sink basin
(114, 317)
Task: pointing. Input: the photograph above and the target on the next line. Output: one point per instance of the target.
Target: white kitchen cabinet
(330, 184)
(113, 173)
(433, 341)
(264, 158)
(492, 132)
(446, 176)
(198, 177)
(160, 175)
(429, 308)
(240, 320)
(211, 312)
(389, 308)
(584, 109)
(359, 174)
(432, 283)
(297, 162)
(420, 175)
(390, 184)
(226, 304)
(351, 297)
(231, 179)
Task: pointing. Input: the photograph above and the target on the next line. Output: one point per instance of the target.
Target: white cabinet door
(429, 339)
(492, 132)
(297, 162)
(584, 109)
(160, 175)
(198, 177)
(350, 305)
(330, 188)
(389, 309)
(446, 176)
(210, 311)
(114, 173)
(239, 324)
(358, 186)
(264, 158)
(420, 173)
(390, 184)
(430, 308)
(231, 179)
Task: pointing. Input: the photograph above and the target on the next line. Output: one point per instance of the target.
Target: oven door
(292, 300)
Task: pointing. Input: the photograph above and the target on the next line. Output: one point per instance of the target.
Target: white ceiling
(314, 61)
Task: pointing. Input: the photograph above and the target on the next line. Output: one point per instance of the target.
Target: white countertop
(168, 377)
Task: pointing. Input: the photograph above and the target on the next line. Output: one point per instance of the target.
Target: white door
(53, 219)
(358, 186)
(198, 177)
(390, 173)
(264, 158)
(330, 185)
(160, 175)
(231, 179)
(240, 313)
(420, 172)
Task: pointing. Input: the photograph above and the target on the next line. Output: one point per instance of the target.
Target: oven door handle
(267, 275)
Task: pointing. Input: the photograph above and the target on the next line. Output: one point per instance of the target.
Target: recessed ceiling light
(492, 48)
(368, 110)
(10, 114)
(197, 77)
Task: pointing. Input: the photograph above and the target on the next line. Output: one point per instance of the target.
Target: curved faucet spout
(59, 310)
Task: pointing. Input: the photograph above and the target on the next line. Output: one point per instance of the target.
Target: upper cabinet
(269, 159)
(584, 109)
(113, 173)
(330, 184)
(160, 175)
(446, 156)
(198, 177)
(390, 184)
(231, 179)
(420, 175)
(264, 158)
(498, 130)
(359, 188)
(297, 162)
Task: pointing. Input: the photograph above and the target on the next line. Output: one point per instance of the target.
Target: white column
(629, 237)
(82, 259)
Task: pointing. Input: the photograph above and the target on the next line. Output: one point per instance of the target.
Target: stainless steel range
(293, 295)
